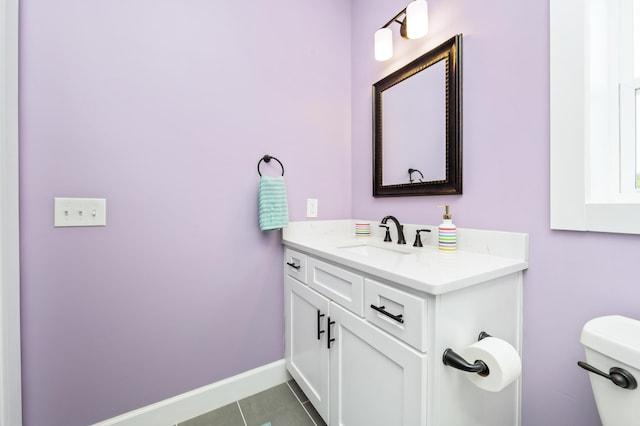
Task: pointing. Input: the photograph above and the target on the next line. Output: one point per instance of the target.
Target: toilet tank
(614, 341)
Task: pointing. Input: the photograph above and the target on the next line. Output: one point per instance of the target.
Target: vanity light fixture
(414, 24)
(383, 44)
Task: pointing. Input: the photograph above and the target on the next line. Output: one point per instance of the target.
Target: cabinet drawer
(339, 285)
(399, 313)
(295, 265)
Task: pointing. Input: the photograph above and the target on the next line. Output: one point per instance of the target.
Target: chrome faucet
(398, 227)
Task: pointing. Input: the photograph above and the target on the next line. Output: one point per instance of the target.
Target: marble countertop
(481, 255)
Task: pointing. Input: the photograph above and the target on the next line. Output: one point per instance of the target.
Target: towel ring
(266, 159)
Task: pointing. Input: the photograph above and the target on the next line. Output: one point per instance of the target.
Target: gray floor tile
(314, 414)
(296, 389)
(229, 415)
(277, 405)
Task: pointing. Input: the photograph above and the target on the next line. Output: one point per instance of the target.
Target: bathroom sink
(369, 250)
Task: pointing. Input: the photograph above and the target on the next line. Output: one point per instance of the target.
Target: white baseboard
(202, 400)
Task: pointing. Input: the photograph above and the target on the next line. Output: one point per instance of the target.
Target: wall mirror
(417, 138)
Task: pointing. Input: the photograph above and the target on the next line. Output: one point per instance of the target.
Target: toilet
(614, 342)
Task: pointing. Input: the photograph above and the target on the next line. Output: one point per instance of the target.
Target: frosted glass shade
(417, 19)
(383, 44)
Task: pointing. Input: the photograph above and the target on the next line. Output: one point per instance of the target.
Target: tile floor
(282, 405)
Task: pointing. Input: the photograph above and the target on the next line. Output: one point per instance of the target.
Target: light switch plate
(79, 212)
(312, 207)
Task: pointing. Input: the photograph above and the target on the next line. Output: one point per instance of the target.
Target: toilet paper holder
(452, 359)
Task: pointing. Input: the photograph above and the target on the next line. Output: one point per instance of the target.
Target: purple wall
(572, 276)
(164, 108)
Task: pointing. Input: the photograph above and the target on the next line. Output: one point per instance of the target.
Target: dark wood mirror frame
(450, 52)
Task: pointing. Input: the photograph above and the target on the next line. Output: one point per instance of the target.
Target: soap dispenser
(447, 237)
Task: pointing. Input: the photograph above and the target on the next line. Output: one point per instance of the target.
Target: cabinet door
(306, 355)
(376, 380)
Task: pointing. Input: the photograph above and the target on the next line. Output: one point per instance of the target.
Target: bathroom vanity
(367, 322)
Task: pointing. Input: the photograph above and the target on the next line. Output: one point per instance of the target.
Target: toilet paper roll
(501, 358)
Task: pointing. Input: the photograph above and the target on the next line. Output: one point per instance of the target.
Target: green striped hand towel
(273, 211)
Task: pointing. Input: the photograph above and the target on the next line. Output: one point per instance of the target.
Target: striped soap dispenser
(447, 237)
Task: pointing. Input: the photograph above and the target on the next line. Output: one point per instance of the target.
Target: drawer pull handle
(319, 331)
(293, 265)
(329, 338)
(390, 315)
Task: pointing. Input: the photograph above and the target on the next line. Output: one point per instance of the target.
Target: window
(628, 82)
(595, 88)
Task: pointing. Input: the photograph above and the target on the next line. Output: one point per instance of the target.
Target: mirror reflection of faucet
(411, 179)
(399, 228)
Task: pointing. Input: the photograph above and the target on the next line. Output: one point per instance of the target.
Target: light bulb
(417, 19)
(383, 44)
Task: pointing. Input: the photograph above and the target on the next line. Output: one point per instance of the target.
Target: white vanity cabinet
(365, 330)
(353, 372)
